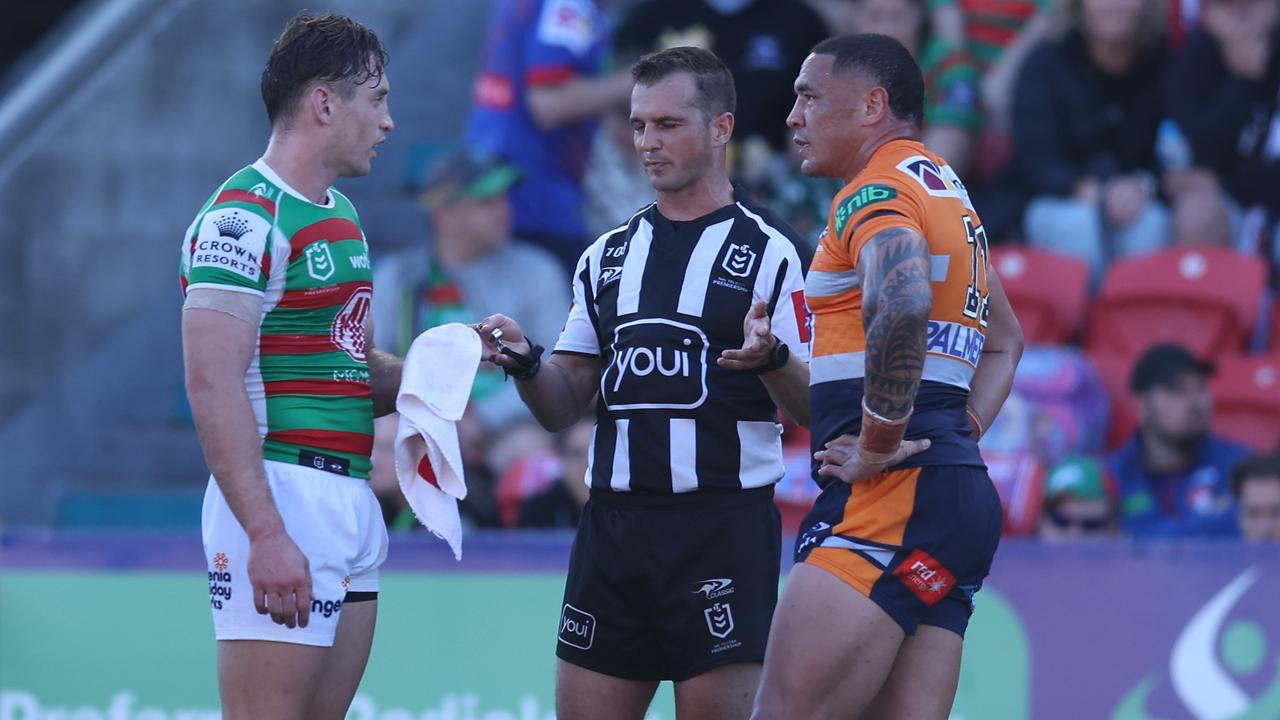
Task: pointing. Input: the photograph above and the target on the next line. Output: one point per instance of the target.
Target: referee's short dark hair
(326, 48)
(887, 63)
(711, 77)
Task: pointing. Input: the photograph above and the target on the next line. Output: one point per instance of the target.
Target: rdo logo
(656, 363)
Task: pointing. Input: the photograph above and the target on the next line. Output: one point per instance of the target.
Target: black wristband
(530, 364)
(778, 357)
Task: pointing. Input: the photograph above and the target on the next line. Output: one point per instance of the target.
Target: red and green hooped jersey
(309, 379)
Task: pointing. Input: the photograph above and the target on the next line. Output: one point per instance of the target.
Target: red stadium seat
(1114, 371)
(1246, 400)
(1048, 291)
(1205, 299)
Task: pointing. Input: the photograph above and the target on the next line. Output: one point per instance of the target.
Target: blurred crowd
(1102, 141)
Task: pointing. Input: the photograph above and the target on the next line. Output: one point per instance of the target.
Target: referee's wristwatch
(778, 357)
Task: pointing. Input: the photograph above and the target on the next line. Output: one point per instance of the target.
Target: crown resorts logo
(1205, 678)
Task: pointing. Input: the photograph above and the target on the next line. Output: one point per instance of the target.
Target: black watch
(778, 357)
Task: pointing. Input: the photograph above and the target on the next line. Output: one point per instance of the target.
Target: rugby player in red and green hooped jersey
(284, 384)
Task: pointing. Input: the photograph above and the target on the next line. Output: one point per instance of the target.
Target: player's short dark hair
(713, 83)
(887, 63)
(1255, 466)
(326, 48)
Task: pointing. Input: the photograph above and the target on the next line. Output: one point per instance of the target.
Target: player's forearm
(789, 388)
(558, 395)
(992, 382)
(232, 448)
(554, 105)
(895, 312)
(384, 381)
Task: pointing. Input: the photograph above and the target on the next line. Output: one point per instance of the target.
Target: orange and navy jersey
(906, 186)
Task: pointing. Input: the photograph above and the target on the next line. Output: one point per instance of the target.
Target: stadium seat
(1246, 400)
(1048, 292)
(1205, 299)
(1114, 371)
(1273, 341)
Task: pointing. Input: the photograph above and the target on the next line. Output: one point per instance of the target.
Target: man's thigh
(922, 684)
(583, 694)
(830, 649)
(340, 675)
(266, 679)
(725, 693)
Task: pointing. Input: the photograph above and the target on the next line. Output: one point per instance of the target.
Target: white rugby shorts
(336, 522)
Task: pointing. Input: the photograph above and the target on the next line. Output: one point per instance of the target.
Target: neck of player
(878, 138)
(301, 167)
(700, 197)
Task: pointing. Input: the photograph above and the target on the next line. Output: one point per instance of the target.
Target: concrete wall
(95, 200)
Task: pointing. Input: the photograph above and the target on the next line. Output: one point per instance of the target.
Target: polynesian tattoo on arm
(896, 300)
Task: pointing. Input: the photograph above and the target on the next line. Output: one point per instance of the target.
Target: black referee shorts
(669, 587)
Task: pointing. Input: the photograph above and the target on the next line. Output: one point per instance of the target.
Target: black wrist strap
(778, 357)
(529, 364)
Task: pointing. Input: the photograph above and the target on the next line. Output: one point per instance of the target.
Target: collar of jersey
(262, 167)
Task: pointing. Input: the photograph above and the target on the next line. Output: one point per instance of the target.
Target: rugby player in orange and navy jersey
(914, 349)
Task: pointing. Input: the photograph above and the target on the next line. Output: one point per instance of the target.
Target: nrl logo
(739, 260)
(319, 260)
(719, 620)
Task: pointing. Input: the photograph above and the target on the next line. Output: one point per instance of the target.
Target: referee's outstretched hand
(495, 332)
(757, 341)
(840, 458)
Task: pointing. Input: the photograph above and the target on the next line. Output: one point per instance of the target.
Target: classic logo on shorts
(577, 628)
(347, 331)
(715, 587)
(719, 620)
(657, 364)
(739, 260)
(926, 577)
(319, 260)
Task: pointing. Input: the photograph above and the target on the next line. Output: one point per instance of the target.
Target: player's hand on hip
(280, 576)
(840, 458)
(757, 341)
(495, 332)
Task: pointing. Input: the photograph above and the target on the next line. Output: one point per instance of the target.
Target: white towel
(434, 386)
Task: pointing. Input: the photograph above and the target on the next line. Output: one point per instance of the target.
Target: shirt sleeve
(877, 204)
(562, 42)
(790, 319)
(230, 251)
(579, 334)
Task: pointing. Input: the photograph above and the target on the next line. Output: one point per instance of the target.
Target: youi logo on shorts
(577, 628)
(715, 587)
(656, 364)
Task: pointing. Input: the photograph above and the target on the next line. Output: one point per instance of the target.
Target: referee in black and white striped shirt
(690, 322)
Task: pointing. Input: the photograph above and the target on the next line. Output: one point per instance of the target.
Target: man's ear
(875, 105)
(722, 129)
(319, 102)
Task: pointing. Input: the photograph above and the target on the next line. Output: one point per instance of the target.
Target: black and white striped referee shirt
(658, 301)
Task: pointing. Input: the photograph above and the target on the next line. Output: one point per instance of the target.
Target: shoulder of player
(247, 189)
(789, 243)
(882, 189)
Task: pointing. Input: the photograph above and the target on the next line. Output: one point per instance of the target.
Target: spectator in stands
(1079, 501)
(1256, 482)
(1222, 96)
(1086, 108)
(762, 42)
(541, 87)
(471, 267)
(951, 112)
(560, 504)
(1174, 476)
(469, 271)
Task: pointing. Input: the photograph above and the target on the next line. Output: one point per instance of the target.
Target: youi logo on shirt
(656, 364)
